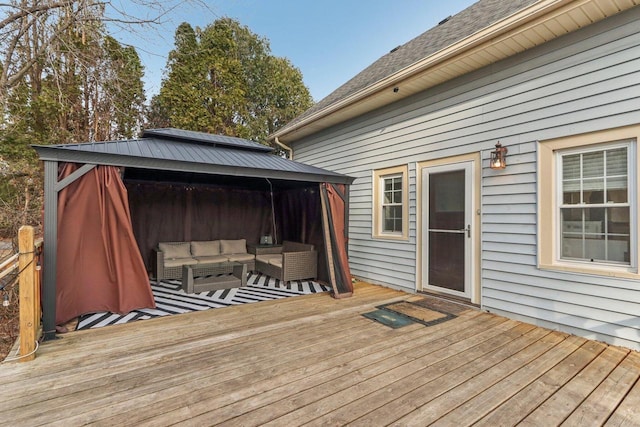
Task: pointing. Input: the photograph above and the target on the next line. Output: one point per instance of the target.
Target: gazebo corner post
(346, 217)
(50, 250)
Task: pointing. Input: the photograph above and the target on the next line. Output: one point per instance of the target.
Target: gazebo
(177, 185)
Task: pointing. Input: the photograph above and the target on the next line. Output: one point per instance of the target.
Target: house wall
(586, 81)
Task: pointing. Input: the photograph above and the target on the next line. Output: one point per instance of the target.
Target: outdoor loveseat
(290, 261)
(169, 257)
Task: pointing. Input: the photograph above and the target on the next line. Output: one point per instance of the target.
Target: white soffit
(530, 27)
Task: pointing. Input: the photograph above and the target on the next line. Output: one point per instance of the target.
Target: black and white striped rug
(171, 299)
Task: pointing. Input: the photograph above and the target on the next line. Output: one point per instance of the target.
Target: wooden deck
(315, 360)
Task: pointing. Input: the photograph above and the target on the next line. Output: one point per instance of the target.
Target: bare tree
(29, 29)
(64, 79)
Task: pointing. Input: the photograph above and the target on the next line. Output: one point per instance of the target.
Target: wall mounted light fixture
(498, 157)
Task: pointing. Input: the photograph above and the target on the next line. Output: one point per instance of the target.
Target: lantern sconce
(498, 157)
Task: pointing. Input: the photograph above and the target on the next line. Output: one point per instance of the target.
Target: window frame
(379, 177)
(559, 155)
(550, 200)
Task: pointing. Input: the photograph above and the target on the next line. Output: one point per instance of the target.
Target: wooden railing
(8, 266)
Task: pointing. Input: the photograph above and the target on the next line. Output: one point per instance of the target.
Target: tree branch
(18, 75)
(22, 12)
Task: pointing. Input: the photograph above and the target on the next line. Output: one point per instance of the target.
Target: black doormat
(389, 318)
(418, 313)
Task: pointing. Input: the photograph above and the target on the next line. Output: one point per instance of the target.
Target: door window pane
(446, 200)
(446, 260)
(446, 224)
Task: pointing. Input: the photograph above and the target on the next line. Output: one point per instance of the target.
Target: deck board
(520, 405)
(628, 411)
(606, 397)
(315, 360)
(564, 402)
(470, 388)
(487, 400)
(356, 380)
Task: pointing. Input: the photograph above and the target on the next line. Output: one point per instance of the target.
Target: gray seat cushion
(211, 259)
(265, 258)
(177, 262)
(276, 262)
(233, 246)
(206, 248)
(240, 257)
(175, 250)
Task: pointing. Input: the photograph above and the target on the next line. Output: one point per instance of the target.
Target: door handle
(468, 230)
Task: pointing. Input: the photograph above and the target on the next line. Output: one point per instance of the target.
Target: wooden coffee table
(204, 277)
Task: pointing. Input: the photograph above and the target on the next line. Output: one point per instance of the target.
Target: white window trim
(549, 185)
(378, 189)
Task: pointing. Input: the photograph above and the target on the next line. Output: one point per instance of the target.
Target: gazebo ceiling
(132, 175)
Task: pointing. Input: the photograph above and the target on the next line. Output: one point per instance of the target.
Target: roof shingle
(471, 20)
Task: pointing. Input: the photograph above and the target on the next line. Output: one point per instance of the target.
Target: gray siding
(583, 82)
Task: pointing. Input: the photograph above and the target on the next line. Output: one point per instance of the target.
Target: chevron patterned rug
(171, 299)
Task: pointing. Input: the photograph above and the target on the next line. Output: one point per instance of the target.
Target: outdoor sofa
(289, 261)
(169, 257)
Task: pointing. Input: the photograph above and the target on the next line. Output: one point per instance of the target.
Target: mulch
(9, 327)
(9, 316)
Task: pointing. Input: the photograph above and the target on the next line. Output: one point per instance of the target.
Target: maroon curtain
(178, 213)
(334, 211)
(299, 219)
(99, 267)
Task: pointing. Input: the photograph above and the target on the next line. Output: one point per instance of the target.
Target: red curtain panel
(99, 266)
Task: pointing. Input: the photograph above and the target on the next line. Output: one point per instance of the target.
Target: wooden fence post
(27, 292)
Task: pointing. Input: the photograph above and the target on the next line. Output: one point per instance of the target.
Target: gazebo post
(50, 250)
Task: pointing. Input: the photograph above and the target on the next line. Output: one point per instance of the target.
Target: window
(587, 203)
(390, 203)
(594, 207)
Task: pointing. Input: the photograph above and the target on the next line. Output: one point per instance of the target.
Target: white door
(447, 224)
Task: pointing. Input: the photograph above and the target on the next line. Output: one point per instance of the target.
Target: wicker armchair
(291, 261)
(162, 271)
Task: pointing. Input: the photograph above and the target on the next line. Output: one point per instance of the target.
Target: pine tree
(223, 79)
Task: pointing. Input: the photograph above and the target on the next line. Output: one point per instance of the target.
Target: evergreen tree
(223, 79)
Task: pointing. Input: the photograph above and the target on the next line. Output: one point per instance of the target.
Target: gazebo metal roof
(187, 151)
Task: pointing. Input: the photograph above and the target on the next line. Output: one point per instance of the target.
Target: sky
(330, 41)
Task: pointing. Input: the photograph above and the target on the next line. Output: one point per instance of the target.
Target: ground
(9, 330)
(9, 316)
